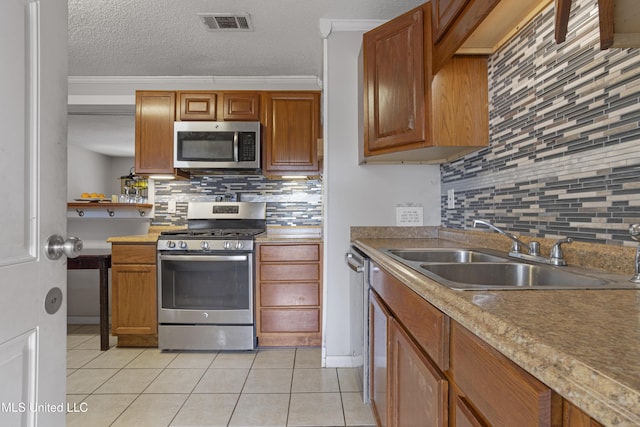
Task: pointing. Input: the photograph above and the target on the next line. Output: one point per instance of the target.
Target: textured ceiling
(167, 38)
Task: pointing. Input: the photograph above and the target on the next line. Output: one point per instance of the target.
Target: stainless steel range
(206, 279)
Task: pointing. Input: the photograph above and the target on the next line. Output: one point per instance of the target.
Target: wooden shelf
(108, 210)
(102, 205)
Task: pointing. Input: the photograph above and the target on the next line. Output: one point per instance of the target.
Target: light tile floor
(146, 387)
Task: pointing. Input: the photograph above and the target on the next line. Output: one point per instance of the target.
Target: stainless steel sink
(510, 275)
(485, 269)
(445, 255)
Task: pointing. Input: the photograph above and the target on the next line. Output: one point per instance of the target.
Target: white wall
(94, 173)
(357, 195)
(87, 172)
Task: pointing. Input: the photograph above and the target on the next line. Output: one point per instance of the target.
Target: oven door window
(206, 282)
(206, 146)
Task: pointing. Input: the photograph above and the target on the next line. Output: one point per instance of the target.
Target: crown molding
(327, 26)
(116, 94)
(207, 82)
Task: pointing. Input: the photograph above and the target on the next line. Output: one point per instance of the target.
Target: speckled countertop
(583, 344)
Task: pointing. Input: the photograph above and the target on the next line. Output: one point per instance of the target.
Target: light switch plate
(171, 206)
(451, 199)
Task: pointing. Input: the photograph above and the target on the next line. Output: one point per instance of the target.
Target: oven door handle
(204, 257)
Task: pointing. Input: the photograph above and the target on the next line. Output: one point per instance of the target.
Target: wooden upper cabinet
(469, 16)
(460, 101)
(618, 20)
(223, 106)
(241, 106)
(397, 83)
(197, 106)
(155, 114)
(444, 12)
(619, 23)
(291, 132)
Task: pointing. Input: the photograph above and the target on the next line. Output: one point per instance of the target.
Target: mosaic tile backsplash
(564, 153)
(289, 202)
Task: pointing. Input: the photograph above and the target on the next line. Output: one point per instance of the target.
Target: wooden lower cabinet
(378, 324)
(500, 391)
(289, 294)
(134, 306)
(463, 414)
(418, 389)
(414, 381)
(572, 416)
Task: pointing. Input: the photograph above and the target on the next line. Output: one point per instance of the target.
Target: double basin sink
(484, 269)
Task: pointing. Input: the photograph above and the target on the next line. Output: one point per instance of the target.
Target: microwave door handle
(235, 146)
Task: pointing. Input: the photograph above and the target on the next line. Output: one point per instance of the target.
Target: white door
(33, 111)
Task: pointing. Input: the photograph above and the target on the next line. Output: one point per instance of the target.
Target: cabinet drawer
(289, 294)
(289, 253)
(290, 320)
(500, 390)
(133, 254)
(428, 325)
(289, 272)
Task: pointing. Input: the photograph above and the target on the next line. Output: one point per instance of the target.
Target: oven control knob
(182, 244)
(239, 244)
(205, 315)
(171, 244)
(227, 245)
(204, 245)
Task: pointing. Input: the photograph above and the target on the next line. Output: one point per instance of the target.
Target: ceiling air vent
(226, 22)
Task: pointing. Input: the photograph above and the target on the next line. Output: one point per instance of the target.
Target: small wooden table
(97, 260)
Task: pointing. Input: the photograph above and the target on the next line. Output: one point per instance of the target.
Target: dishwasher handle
(353, 264)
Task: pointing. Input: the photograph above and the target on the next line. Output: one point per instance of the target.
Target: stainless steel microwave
(216, 145)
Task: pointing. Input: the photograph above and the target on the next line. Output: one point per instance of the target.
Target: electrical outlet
(171, 206)
(451, 199)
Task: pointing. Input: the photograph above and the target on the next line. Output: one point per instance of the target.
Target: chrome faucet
(517, 244)
(556, 257)
(634, 231)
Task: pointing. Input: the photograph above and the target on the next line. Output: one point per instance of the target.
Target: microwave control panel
(246, 146)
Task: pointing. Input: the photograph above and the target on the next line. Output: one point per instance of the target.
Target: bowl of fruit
(92, 197)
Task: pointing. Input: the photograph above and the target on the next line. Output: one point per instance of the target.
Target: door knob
(57, 246)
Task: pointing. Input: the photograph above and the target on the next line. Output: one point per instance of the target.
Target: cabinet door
(464, 416)
(572, 416)
(197, 106)
(444, 12)
(396, 88)
(460, 101)
(292, 129)
(501, 392)
(470, 15)
(378, 345)
(155, 114)
(241, 106)
(418, 390)
(134, 302)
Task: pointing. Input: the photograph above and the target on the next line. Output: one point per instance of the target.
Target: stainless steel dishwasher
(358, 263)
